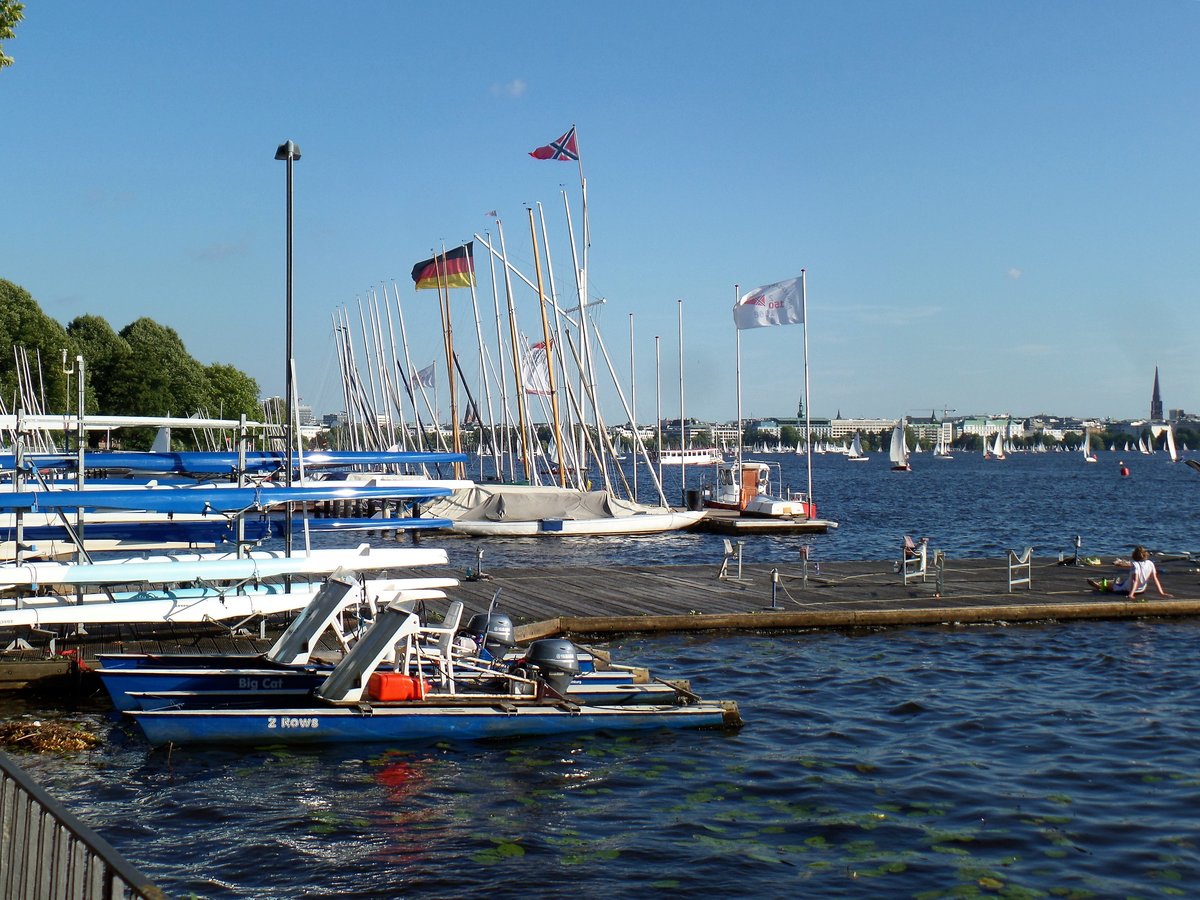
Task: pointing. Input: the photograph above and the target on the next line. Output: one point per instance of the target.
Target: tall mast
(807, 404)
(537, 265)
(682, 419)
(516, 359)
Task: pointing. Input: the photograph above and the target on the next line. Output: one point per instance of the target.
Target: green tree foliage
(158, 377)
(145, 370)
(11, 13)
(102, 349)
(231, 392)
(23, 324)
(789, 435)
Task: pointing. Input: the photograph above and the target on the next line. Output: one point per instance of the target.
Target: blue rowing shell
(216, 531)
(207, 499)
(224, 462)
(417, 721)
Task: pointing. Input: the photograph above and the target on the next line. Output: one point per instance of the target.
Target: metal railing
(45, 852)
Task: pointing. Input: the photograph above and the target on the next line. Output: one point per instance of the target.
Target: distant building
(840, 428)
(1156, 407)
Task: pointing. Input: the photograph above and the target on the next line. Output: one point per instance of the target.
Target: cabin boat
(747, 490)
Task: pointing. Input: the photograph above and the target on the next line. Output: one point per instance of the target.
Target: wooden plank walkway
(590, 600)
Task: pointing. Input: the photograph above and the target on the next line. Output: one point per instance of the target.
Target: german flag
(455, 269)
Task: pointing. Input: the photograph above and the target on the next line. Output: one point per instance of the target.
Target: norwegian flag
(565, 148)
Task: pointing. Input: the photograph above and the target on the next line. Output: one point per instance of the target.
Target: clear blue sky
(996, 203)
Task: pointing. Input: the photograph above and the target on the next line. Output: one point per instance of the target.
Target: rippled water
(966, 506)
(1036, 760)
(1023, 761)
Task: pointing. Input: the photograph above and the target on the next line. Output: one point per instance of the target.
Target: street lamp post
(290, 152)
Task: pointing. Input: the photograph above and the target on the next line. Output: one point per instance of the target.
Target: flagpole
(682, 420)
(737, 331)
(452, 382)
(807, 407)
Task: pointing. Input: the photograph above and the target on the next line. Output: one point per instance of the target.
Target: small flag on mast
(565, 148)
(424, 377)
(453, 269)
(781, 303)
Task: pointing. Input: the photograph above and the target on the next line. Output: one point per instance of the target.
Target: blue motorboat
(359, 702)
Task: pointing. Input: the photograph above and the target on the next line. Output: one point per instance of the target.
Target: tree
(232, 392)
(789, 435)
(22, 323)
(158, 377)
(10, 14)
(102, 349)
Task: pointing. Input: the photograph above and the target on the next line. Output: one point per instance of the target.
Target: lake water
(1037, 760)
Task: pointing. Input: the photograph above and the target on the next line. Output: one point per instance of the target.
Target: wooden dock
(590, 601)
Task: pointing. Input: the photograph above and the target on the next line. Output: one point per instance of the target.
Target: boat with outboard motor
(360, 702)
(287, 673)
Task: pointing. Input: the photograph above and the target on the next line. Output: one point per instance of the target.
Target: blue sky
(996, 203)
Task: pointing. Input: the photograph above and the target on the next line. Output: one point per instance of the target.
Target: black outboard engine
(493, 632)
(556, 661)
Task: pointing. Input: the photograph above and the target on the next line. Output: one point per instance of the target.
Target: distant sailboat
(899, 449)
(856, 451)
(1171, 444)
(1088, 455)
(997, 447)
(940, 451)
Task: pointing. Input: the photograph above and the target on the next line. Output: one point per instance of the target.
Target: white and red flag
(781, 303)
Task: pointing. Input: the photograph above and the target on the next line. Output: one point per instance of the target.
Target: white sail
(1088, 455)
(1171, 444)
(899, 449)
(998, 446)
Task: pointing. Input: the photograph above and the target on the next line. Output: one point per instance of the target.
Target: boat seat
(435, 644)
(1020, 569)
(914, 559)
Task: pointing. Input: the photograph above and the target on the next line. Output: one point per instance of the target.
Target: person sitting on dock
(1142, 573)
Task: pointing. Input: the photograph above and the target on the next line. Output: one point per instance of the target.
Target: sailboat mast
(516, 357)
(658, 400)
(807, 404)
(682, 420)
(550, 367)
(633, 404)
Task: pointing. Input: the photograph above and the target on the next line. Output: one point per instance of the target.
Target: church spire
(1156, 410)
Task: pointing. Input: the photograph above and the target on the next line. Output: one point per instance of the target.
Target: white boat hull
(99, 609)
(651, 523)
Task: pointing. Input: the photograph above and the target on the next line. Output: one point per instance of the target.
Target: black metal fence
(45, 852)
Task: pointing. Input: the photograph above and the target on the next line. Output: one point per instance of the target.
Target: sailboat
(1088, 455)
(899, 449)
(940, 451)
(997, 447)
(856, 451)
(1171, 451)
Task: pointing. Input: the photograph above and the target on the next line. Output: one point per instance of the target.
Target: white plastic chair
(1020, 569)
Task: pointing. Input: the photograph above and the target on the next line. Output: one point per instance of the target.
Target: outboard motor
(556, 661)
(493, 633)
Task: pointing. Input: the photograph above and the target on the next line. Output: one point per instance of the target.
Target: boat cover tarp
(519, 503)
